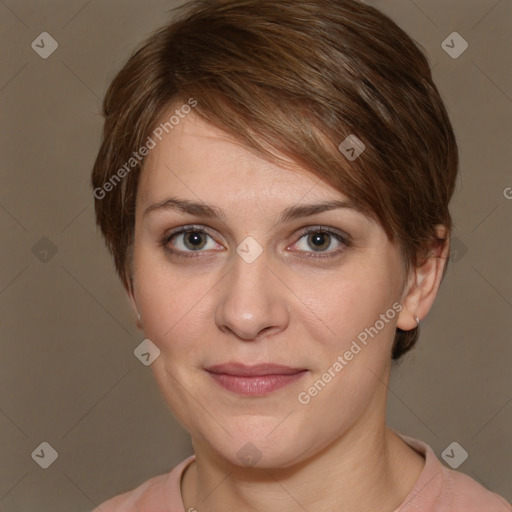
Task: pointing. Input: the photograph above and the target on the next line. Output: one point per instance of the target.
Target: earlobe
(424, 284)
(133, 303)
(410, 302)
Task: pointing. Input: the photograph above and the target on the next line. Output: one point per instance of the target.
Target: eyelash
(344, 240)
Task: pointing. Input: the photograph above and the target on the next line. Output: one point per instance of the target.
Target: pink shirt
(438, 489)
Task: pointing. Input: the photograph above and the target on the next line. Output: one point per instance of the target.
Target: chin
(260, 445)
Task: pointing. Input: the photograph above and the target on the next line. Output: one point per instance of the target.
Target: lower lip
(256, 385)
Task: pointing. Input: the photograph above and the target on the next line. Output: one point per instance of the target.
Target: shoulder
(464, 494)
(441, 489)
(158, 494)
(145, 495)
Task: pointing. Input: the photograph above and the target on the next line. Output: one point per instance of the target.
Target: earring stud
(417, 320)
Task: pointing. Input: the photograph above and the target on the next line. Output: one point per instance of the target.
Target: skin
(334, 453)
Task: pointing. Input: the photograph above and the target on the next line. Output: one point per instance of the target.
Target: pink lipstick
(256, 380)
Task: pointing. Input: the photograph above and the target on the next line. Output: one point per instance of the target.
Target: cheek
(342, 307)
(172, 305)
(353, 352)
(173, 310)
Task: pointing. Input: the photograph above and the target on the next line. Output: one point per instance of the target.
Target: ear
(424, 283)
(131, 297)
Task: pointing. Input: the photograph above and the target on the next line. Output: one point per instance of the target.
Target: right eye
(188, 239)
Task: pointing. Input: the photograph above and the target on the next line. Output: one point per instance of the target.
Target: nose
(252, 300)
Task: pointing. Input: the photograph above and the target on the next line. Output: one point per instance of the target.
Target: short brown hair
(295, 79)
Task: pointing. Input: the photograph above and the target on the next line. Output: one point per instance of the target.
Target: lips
(242, 370)
(255, 380)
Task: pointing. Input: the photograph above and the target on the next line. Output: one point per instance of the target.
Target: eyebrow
(205, 210)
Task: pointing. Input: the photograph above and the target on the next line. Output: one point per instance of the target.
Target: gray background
(67, 369)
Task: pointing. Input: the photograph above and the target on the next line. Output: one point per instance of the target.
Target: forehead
(196, 158)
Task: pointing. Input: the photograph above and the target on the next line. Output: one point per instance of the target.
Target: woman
(273, 183)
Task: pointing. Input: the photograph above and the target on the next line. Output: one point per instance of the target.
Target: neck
(364, 469)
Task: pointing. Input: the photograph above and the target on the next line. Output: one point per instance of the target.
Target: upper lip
(253, 370)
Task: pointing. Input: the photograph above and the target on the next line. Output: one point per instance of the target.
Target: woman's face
(253, 287)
